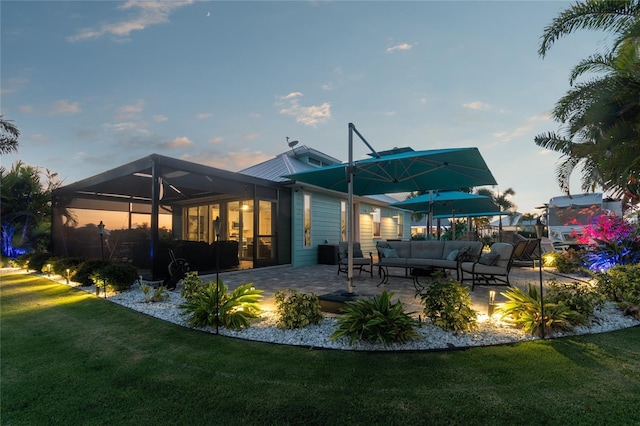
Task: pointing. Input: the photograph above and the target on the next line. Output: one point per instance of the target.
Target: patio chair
(526, 252)
(359, 260)
(490, 269)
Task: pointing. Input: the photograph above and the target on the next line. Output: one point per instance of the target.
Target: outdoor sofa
(415, 256)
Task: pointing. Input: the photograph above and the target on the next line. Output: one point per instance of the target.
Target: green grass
(68, 357)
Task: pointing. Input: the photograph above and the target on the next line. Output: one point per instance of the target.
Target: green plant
(297, 310)
(38, 261)
(524, 310)
(582, 298)
(86, 270)
(61, 265)
(152, 294)
(447, 304)
(190, 284)
(569, 262)
(621, 284)
(118, 276)
(234, 309)
(377, 320)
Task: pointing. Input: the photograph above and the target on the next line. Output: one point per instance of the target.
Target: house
(159, 205)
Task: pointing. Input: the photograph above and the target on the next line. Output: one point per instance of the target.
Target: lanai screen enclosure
(151, 204)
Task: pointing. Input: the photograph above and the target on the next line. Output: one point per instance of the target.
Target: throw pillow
(357, 253)
(453, 255)
(390, 253)
(463, 254)
(489, 259)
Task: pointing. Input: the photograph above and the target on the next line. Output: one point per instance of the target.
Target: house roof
(289, 162)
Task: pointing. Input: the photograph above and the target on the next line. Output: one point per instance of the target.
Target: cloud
(130, 112)
(401, 46)
(232, 161)
(203, 115)
(63, 107)
(389, 113)
(143, 14)
(250, 137)
(216, 139)
(177, 143)
(130, 127)
(477, 105)
(25, 109)
(307, 115)
(13, 85)
(160, 118)
(524, 129)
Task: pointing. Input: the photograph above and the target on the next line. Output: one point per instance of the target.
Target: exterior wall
(325, 225)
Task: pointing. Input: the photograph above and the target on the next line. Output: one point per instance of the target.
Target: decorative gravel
(490, 331)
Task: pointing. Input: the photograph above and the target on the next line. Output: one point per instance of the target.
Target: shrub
(38, 261)
(190, 284)
(60, 266)
(569, 262)
(151, 294)
(524, 310)
(612, 241)
(297, 310)
(447, 304)
(86, 269)
(621, 284)
(118, 276)
(376, 320)
(234, 311)
(582, 298)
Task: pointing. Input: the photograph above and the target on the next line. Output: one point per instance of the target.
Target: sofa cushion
(427, 249)
(453, 255)
(390, 253)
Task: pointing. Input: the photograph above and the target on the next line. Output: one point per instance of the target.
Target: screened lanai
(156, 204)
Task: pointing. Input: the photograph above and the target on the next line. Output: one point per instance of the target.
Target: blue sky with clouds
(95, 84)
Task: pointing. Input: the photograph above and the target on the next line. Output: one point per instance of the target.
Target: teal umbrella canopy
(450, 203)
(442, 169)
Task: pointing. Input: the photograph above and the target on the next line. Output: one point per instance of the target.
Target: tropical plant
(611, 241)
(26, 207)
(524, 310)
(567, 262)
(501, 200)
(447, 304)
(582, 298)
(9, 135)
(620, 283)
(214, 305)
(297, 310)
(191, 283)
(600, 115)
(376, 320)
(151, 294)
(86, 270)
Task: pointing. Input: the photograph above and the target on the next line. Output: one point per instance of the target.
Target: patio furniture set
(419, 258)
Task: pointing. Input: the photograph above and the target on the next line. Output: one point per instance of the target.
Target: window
(343, 220)
(307, 220)
(376, 222)
(400, 230)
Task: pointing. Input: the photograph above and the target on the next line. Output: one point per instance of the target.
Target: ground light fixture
(539, 226)
(68, 275)
(48, 269)
(216, 228)
(492, 303)
(101, 231)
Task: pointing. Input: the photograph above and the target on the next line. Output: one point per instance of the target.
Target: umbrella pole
(350, 214)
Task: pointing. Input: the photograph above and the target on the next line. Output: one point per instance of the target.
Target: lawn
(68, 357)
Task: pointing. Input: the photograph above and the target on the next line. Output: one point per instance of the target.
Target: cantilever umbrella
(450, 204)
(453, 168)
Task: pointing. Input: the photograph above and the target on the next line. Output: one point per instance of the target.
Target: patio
(322, 279)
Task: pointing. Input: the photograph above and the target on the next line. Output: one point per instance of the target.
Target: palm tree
(9, 134)
(600, 115)
(501, 201)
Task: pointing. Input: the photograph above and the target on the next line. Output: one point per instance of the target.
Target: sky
(93, 85)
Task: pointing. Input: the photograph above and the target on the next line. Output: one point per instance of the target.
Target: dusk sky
(93, 85)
